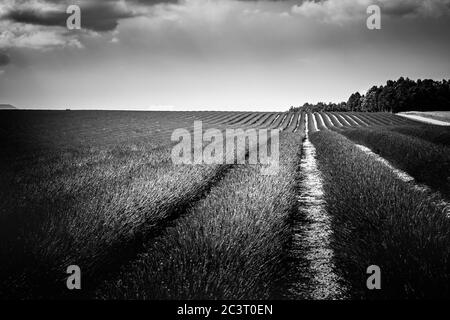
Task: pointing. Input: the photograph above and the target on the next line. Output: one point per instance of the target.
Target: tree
(354, 102)
(395, 96)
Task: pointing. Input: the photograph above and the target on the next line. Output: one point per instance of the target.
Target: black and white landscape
(224, 150)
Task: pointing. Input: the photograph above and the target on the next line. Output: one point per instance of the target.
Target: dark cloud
(103, 16)
(45, 18)
(145, 2)
(415, 8)
(153, 2)
(4, 59)
(401, 8)
(97, 16)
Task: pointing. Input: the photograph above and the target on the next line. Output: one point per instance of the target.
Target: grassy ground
(436, 115)
(98, 189)
(230, 246)
(77, 196)
(434, 134)
(94, 215)
(380, 220)
(427, 162)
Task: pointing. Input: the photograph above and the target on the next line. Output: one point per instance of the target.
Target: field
(437, 115)
(98, 189)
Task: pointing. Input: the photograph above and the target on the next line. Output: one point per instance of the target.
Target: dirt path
(329, 119)
(359, 119)
(298, 122)
(351, 121)
(322, 121)
(337, 120)
(313, 274)
(343, 120)
(314, 124)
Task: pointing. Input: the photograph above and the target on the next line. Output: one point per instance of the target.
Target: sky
(214, 54)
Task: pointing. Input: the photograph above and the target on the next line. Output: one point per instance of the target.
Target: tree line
(395, 96)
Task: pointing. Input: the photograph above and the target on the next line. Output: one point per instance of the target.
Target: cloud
(39, 24)
(221, 53)
(341, 11)
(19, 35)
(423, 8)
(45, 18)
(167, 26)
(95, 15)
(153, 2)
(331, 10)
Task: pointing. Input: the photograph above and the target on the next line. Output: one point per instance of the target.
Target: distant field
(437, 115)
(98, 189)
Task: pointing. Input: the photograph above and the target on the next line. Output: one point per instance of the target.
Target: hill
(6, 107)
